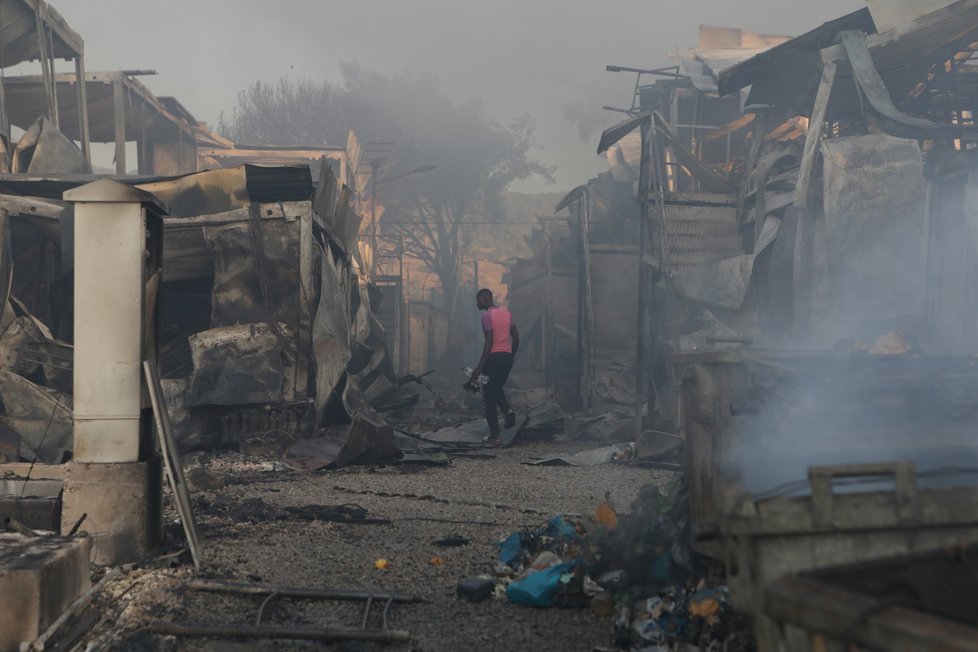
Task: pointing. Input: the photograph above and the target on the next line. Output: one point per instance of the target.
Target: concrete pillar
(114, 476)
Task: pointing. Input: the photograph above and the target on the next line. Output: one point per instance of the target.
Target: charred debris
(770, 294)
(778, 266)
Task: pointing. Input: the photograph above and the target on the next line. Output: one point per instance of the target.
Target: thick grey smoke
(544, 57)
(895, 388)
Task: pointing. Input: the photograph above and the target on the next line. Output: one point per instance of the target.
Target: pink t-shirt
(498, 320)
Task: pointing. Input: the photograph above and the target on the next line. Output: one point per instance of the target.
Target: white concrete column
(114, 478)
(110, 277)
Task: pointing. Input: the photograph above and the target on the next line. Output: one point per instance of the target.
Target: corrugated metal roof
(744, 74)
(18, 33)
(145, 113)
(785, 77)
(263, 184)
(279, 183)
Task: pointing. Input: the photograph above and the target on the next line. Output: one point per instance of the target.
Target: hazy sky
(519, 56)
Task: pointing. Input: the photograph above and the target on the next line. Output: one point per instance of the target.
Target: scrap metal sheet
(45, 150)
(873, 199)
(256, 272)
(595, 457)
(42, 418)
(331, 328)
(240, 365)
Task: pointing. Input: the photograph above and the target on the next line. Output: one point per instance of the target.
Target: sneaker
(493, 440)
(510, 419)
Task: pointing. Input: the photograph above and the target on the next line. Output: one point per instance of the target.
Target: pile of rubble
(636, 569)
(263, 315)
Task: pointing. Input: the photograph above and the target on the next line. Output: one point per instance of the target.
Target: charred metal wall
(948, 324)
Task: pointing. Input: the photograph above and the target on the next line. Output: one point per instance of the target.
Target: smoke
(518, 56)
(892, 386)
(854, 408)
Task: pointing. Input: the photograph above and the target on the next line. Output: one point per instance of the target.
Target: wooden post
(42, 54)
(118, 91)
(670, 306)
(83, 107)
(56, 112)
(141, 153)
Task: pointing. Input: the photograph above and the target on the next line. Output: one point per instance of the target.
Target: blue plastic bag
(510, 548)
(559, 528)
(538, 589)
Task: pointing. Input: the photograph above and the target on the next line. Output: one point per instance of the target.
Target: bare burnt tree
(475, 157)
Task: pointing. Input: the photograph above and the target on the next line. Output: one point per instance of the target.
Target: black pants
(497, 368)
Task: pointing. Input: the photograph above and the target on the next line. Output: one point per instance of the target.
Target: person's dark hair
(484, 292)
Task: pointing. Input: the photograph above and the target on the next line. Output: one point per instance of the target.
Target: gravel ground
(479, 499)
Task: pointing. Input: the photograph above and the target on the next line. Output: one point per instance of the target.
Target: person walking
(501, 343)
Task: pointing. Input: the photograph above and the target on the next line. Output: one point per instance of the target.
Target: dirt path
(478, 499)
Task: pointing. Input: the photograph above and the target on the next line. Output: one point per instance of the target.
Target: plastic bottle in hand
(476, 385)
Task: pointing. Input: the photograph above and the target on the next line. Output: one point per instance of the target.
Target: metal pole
(669, 303)
(54, 84)
(588, 305)
(373, 219)
(283, 631)
(82, 107)
(580, 302)
(119, 105)
(547, 316)
(641, 375)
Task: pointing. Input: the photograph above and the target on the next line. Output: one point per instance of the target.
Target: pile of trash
(636, 568)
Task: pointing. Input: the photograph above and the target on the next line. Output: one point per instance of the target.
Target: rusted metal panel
(699, 233)
(755, 69)
(952, 270)
(891, 14)
(243, 364)
(18, 33)
(146, 113)
(873, 198)
(45, 150)
(852, 618)
(331, 329)
(721, 397)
